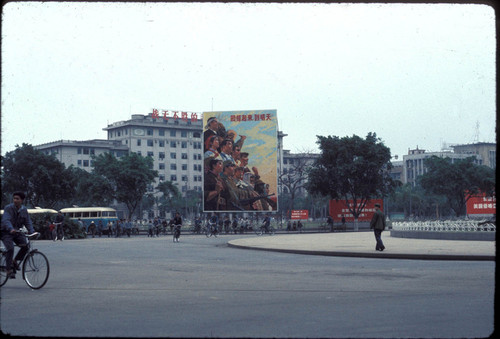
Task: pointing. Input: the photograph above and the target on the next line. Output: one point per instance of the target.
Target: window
(85, 150)
(161, 155)
(173, 177)
(150, 154)
(161, 166)
(173, 167)
(197, 145)
(85, 163)
(184, 156)
(173, 132)
(161, 132)
(79, 162)
(150, 143)
(149, 131)
(173, 155)
(184, 167)
(138, 142)
(162, 177)
(184, 134)
(161, 143)
(184, 144)
(173, 144)
(79, 150)
(184, 178)
(196, 135)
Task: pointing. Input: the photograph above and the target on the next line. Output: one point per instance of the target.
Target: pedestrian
(329, 222)
(52, 230)
(343, 223)
(59, 222)
(100, 228)
(92, 228)
(299, 226)
(288, 226)
(378, 225)
(128, 227)
(110, 229)
(150, 229)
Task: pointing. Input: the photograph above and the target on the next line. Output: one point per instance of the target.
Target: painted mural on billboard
(240, 161)
(340, 208)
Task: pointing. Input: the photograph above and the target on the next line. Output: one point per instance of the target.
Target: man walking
(378, 225)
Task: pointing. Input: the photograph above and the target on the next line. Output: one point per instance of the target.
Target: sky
(418, 75)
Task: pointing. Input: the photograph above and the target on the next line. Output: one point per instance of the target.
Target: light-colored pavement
(362, 244)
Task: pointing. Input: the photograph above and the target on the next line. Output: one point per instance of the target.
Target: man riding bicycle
(177, 224)
(15, 216)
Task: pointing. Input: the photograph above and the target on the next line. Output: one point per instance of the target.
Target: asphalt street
(201, 287)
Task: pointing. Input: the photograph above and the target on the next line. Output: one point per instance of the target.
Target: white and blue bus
(89, 214)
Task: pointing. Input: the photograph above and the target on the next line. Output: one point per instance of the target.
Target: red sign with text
(300, 214)
(339, 208)
(481, 204)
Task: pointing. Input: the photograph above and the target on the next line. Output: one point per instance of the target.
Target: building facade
(80, 153)
(485, 151)
(414, 162)
(176, 146)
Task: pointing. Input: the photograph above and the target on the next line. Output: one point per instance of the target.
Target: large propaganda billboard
(240, 161)
(340, 208)
(481, 205)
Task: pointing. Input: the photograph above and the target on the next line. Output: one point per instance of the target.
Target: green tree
(45, 179)
(458, 180)
(91, 189)
(170, 193)
(129, 177)
(352, 168)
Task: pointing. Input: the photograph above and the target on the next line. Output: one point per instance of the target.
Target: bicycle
(211, 229)
(262, 229)
(177, 232)
(35, 265)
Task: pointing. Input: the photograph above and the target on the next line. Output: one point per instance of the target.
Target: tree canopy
(458, 180)
(44, 179)
(352, 168)
(128, 177)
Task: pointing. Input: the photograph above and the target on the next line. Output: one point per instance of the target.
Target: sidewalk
(362, 244)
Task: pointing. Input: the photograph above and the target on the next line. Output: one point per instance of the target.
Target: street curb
(375, 255)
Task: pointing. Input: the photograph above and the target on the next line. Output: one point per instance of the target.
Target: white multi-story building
(414, 162)
(79, 153)
(176, 146)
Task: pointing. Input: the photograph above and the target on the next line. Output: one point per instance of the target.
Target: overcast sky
(416, 74)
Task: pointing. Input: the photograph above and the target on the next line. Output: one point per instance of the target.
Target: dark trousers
(9, 240)
(378, 238)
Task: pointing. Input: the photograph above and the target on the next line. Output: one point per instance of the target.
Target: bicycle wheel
(36, 270)
(3, 270)
(271, 230)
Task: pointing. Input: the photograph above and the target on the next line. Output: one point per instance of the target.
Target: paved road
(143, 287)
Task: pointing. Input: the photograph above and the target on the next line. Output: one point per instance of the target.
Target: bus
(89, 214)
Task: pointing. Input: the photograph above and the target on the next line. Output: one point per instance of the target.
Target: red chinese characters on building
(184, 116)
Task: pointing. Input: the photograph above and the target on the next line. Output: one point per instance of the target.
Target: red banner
(339, 208)
(300, 214)
(481, 204)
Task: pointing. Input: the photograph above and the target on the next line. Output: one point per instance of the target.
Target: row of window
(173, 167)
(161, 132)
(162, 143)
(184, 178)
(161, 155)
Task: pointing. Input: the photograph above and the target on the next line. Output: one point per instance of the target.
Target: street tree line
(349, 169)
